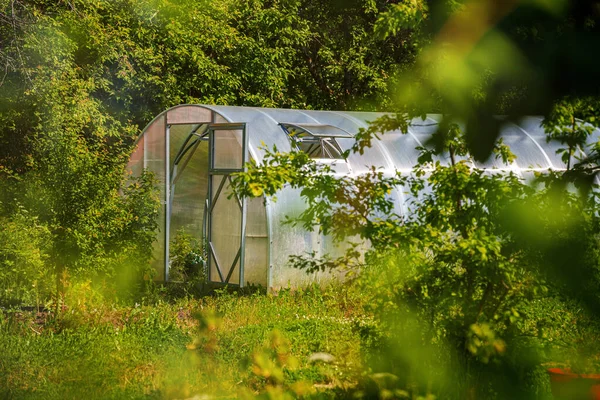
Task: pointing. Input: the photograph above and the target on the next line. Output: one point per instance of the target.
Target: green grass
(160, 351)
(197, 347)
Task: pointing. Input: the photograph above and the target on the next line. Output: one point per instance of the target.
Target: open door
(225, 212)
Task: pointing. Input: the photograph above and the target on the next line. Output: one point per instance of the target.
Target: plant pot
(568, 385)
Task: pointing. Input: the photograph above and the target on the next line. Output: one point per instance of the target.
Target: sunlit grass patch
(163, 350)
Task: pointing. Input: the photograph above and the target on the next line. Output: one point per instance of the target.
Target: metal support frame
(315, 145)
(269, 221)
(167, 199)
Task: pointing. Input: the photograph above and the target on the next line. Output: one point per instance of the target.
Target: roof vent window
(318, 141)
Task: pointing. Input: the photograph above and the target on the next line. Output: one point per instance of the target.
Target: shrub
(187, 258)
(25, 277)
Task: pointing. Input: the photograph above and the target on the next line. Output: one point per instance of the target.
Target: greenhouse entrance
(192, 152)
(225, 215)
(208, 154)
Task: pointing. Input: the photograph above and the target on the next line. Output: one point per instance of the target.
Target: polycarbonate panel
(527, 151)
(226, 223)
(532, 125)
(373, 156)
(216, 184)
(363, 118)
(155, 162)
(422, 130)
(256, 218)
(551, 149)
(177, 136)
(235, 275)
(402, 149)
(493, 162)
(188, 115)
(214, 272)
(287, 239)
(219, 119)
(256, 267)
(155, 150)
(257, 242)
(290, 116)
(337, 119)
(339, 167)
(189, 192)
(136, 161)
(262, 129)
(227, 149)
(593, 138)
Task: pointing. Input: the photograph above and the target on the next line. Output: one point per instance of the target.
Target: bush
(187, 258)
(25, 276)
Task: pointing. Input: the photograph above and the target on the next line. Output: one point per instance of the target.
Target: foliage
(23, 276)
(571, 122)
(406, 15)
(455, 276)
(483, 58)
(186, 256)
(270, 364)
(187, 270)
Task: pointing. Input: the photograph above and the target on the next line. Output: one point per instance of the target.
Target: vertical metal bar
(211, 132)
(243, 241)
(205, 238)
(167, 197)
(244, 208)
(269, 216)
(211, 149)
(171, 197)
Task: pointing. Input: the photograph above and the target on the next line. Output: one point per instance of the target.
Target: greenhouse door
(226, 213)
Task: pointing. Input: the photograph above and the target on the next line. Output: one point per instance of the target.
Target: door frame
(213, 129)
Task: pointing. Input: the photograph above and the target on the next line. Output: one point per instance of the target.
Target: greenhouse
(193, 150)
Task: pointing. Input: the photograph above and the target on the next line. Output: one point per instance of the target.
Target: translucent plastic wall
(154, 148)
(189, 186)
(192, 155)
(225, 243)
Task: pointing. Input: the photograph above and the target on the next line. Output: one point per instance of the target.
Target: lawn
(184, 348)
